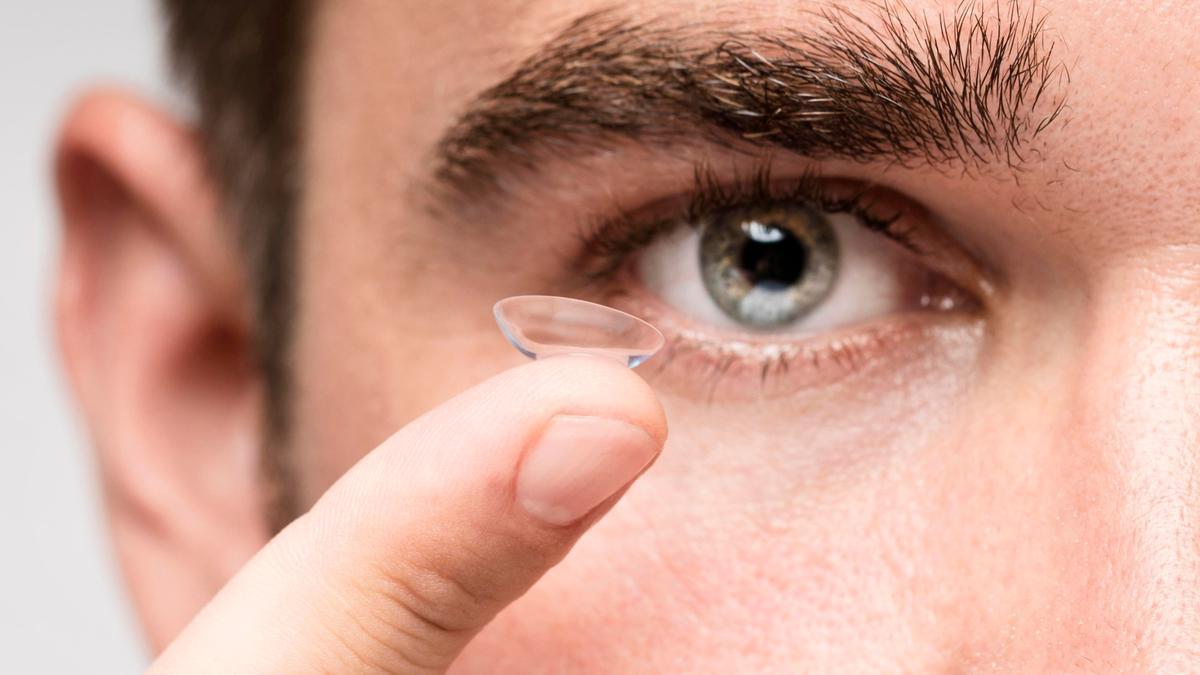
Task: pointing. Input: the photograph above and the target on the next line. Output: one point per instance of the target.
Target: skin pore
(1009, 484)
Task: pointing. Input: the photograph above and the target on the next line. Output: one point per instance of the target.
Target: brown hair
(244, 64)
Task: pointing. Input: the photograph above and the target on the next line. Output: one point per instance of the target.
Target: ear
(153, 326)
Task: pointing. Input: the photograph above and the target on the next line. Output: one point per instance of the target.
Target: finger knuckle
(439, 601)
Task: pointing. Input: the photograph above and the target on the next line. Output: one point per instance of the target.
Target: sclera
(546, 325)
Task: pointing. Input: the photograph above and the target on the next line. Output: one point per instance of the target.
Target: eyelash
(608, 245)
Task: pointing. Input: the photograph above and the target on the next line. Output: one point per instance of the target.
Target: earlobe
(154, 331)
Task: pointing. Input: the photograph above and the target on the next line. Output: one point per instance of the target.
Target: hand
(425, 540)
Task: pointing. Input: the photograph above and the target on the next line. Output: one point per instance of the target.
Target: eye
(788, 267)
(768, 266)
(768, 287)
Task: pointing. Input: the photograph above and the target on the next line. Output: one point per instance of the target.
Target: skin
(1013, 490)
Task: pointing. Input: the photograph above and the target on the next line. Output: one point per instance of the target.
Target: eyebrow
(973, 87)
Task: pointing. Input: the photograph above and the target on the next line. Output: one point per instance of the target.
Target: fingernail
(577, 463)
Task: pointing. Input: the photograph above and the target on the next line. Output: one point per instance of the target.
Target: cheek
(821, 511)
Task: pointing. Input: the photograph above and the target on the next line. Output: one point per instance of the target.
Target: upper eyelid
(606, 243)
(809, 187)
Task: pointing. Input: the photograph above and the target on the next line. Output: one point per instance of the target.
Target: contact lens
(546, 325)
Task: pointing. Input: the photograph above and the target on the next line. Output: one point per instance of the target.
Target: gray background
(62, 608)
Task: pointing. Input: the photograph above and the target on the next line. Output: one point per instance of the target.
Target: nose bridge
(1134, 419)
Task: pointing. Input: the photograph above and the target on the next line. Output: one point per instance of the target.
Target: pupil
(772, 256)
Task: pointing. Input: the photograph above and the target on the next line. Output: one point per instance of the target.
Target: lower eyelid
(698, 364)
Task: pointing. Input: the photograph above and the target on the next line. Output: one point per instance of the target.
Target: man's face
(976, 453)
